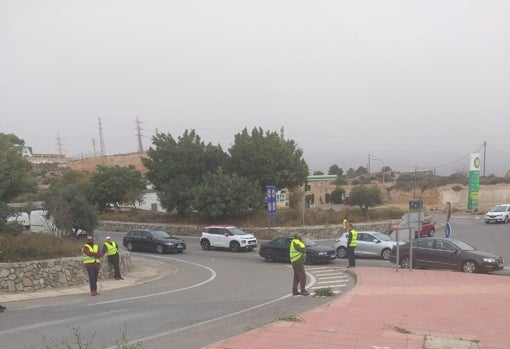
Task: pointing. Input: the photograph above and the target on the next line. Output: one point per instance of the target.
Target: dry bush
(27, 247)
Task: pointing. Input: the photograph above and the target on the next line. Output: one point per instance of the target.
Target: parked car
(278, 250)
(498, 214)
(153, 241)
(428, 228)
(227, 236)
(368, 244)
(444, 253)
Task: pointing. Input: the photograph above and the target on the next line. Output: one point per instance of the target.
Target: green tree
(14, 169)
(221, 194)
(365, 197)
(14, 176)
(176, 166)
(116, 185)
(267, 158)
(69, 203)
(335, 170)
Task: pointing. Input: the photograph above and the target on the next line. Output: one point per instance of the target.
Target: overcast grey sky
(413, 83)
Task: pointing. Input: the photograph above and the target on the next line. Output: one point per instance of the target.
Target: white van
(39, 223)
(20, 217)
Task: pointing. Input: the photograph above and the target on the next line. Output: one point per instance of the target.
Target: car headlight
(489, 260)
(243, 241)
(169, 243)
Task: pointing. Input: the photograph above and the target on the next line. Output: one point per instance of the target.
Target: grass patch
(324, 292)
(292, 318)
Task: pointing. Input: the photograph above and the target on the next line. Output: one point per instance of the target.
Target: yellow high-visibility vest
(354, 235)
(88, 259)
(293, 253)
(112, 248)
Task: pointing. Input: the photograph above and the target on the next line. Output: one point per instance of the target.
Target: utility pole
(94, 146)
(139, 135)
(101, 138)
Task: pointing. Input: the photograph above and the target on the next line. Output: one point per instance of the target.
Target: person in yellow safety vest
(111, 250)
(352, 238)
(91, 254)
(297, 254)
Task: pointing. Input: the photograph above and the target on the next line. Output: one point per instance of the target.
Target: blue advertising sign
(271, 199)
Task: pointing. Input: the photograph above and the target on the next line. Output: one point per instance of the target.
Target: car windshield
(463, 246)
(382, 237)
(309, 243)
(160, 234)
(499, 208)
(236, 231)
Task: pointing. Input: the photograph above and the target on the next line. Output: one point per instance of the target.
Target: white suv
(227, 236)
(499, 214)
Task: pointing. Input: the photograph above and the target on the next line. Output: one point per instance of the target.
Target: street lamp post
(383, 167)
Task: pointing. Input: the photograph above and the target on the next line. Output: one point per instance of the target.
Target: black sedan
(153, 241)
(443, 253)
(278, 250)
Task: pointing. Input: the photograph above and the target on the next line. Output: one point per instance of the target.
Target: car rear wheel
(385, 254)
(205, 244)
(269, 257)
(235, 247)
(160, 249)
(130, 246)
(469, 266)
(341, 252)
(431, 232)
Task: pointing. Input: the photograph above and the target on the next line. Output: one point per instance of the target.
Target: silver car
(368, 244)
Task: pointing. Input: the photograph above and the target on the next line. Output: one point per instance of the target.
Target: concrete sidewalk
(403, 309)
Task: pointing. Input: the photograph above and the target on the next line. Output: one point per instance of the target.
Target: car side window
(445, 246)
(423, 243)
(214, 231)
(280, 243)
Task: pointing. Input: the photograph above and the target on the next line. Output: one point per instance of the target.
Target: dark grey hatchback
(444, 253)
(153, 241)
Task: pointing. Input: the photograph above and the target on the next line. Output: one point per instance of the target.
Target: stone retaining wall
(313, 232)
(53, 273)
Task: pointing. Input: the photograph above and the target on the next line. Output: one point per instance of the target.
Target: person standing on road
(352, 238)
(297, 253)
(111, 250)
(91, 254)
(345, 224)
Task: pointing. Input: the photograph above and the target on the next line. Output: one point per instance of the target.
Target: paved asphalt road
(200, 297)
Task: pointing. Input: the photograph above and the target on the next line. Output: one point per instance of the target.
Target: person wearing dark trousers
(111, 250)
(2, 308)
(352, 238)
(297, 253)
(92, 262)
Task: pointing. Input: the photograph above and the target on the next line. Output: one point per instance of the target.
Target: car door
(423, 253)
(281, 248)
(146, 240)
(361, 245)
(446, 255)
(223, 237)
(371, 245)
